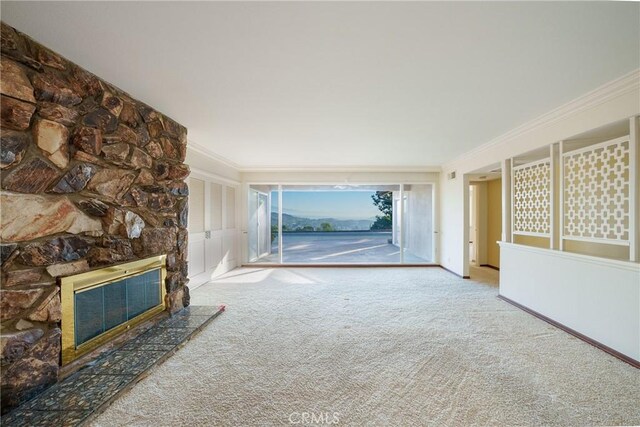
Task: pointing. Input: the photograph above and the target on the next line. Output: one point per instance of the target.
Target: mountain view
(294, 223)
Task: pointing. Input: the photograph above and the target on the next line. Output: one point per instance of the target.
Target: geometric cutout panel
(596, 192)
(532, 198)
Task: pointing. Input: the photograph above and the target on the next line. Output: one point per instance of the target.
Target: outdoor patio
(339, 247)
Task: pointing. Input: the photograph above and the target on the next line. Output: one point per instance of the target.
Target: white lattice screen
(532, 198)
(596, 193)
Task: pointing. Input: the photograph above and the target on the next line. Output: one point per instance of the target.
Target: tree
(325, 226)
(308, 228)
(383, 200)
(274, 231)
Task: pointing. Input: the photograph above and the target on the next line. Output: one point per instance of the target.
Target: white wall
(454, 219)
(596, 297)
(482, 215)
(494, 222)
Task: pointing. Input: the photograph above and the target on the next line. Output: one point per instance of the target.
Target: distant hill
(292, 223)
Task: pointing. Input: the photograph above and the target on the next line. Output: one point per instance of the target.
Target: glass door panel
(263, 224)
(417, 224)
(253, 225)
(264, 229)
(339, 224)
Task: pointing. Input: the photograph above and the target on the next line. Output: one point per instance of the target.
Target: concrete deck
(339, 247)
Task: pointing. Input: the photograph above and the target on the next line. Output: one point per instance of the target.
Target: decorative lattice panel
(596, 193)
(531, 199)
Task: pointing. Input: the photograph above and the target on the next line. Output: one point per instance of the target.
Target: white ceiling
(343, 84)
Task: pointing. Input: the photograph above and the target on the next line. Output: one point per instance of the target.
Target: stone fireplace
(91, 178)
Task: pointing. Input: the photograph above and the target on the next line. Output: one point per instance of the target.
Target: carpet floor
(381, 346)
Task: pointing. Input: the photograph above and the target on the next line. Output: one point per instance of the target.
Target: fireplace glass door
(101, 304)
(100, 309)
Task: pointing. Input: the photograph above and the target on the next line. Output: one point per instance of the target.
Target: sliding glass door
(259, 225)
(263, 225)
(341, 224)
(417, 224)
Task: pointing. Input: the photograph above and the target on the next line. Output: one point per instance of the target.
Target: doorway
(473, 224)
(485, 226)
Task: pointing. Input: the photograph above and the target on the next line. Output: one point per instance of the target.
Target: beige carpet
(412, 346)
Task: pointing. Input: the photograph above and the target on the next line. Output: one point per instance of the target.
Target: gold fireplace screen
(99, 305)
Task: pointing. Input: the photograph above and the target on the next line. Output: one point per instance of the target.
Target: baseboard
(454, 273)
(261, 265)
(605, 348)
(490, 266)
(264, 265)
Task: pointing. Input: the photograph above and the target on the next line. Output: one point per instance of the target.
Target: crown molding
(198, 148)
(613, 89)
(207, 152)
(380, 169)
(199, 173)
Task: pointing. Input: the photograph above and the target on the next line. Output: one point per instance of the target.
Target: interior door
(473, 226)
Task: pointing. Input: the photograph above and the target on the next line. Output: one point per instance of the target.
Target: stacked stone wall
(90, 178)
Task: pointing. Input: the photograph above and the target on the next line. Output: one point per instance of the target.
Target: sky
(327, 204)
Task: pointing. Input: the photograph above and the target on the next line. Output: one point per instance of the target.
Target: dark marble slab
(80, 392)
(78, 398)
(165, 336)
(184, 321)
(126, 362)
(203, 310)
(28, 418)
(142, 346)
